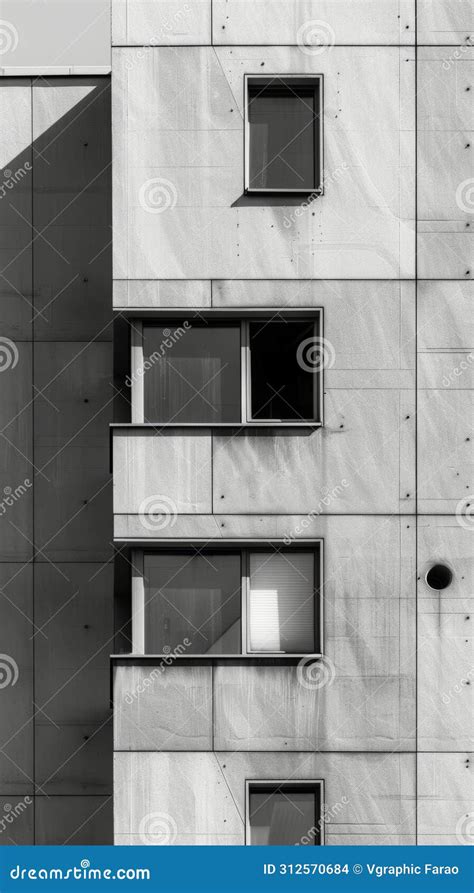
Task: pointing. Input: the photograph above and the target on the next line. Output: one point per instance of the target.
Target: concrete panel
(445, 124)
(74, 821)
(445, 321)
(301, 22)
(445, 792)
(16, 666)
(160, 23)
(445, 665)
(445, 22)
(145, 294)
(16, 821)
(74, 617)
(17, 472)
(168, 472)
(15, 209)
(73, 759)
(364, 452)
(191, 798)
(187, 104)
(162, 708)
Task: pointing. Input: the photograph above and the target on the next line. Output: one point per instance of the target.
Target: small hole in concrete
(439, 577)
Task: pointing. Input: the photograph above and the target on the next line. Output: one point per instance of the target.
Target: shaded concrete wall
(56, 596)
(394, 278)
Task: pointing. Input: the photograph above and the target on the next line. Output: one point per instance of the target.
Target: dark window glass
(284, 378)
(193, 597)
(287, 815)
(197, 378)
(284, 134)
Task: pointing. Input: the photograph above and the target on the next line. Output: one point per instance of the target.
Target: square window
(197, 378)
(284, 374)
(284, 814)
(284, 133)
(241, 601)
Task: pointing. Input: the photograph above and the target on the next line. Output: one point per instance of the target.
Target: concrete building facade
(379, 717)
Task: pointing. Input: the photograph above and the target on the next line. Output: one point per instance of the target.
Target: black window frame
(274, 786)
(314, 546)
(268, 80)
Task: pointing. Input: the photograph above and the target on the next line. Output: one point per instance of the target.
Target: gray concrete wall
(387, 252)
(56, 595)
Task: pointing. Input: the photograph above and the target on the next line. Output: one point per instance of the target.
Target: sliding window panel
(193, 601)
(285, 815)
(193, 378)
(282, 603)
(286, 361)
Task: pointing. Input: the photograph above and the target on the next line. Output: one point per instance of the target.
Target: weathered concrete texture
(153, 295)
(202, 795)
(16, 648)
(73, 820)
(444, 22)
(445, 792)
(445, 664)
(16, 452)
(445, 124)
(163, 708)
(292, 22)
(16, 821)
(367, 700)
(186, 104)
(445, 396)
(160, 23)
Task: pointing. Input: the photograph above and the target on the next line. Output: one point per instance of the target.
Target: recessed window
(247, 601)
(261, 370)
(284, 133)
(439, 577)
(284, 814)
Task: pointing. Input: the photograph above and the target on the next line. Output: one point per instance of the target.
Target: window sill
(271, 659)
(159, 426)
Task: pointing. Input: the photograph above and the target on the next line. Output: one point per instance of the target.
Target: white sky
(54, 32)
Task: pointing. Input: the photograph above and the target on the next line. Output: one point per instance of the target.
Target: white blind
(281, 602)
